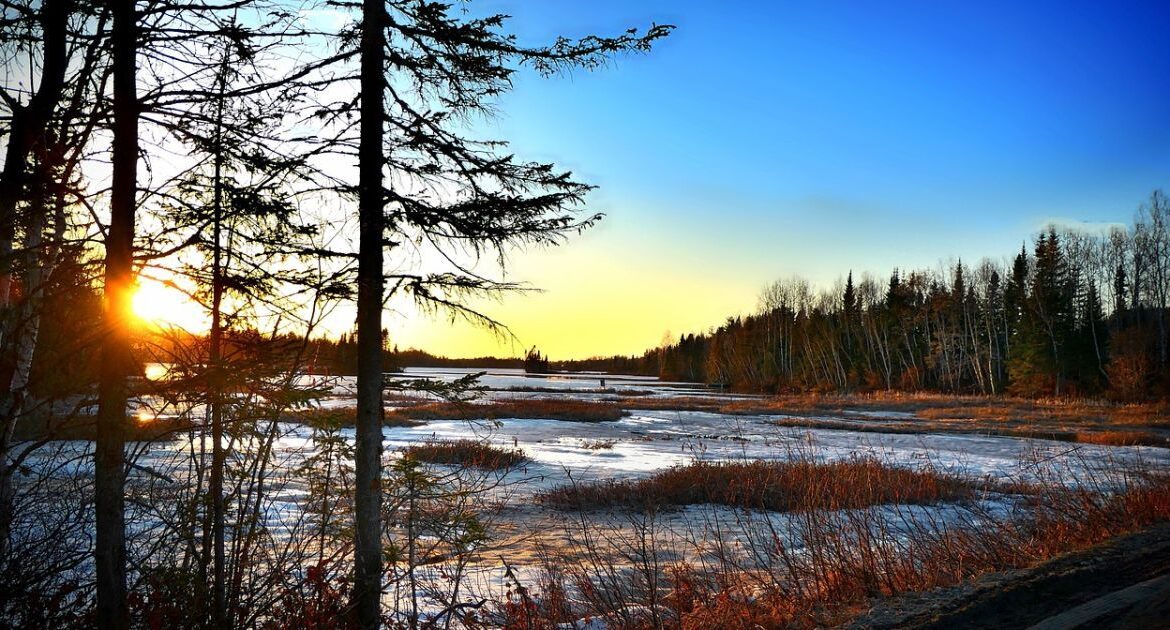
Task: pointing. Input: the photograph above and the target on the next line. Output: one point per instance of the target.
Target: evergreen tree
(1091, 339)
(1015, 296)
(425, 68)
(849, 298)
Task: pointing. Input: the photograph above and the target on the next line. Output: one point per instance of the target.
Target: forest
(1074, 314)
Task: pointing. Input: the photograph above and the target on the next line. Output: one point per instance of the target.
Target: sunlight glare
(163, 305)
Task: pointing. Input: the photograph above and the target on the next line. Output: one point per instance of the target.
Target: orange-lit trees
(1036, 326)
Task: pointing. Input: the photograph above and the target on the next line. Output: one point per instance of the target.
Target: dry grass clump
(571, 391)
(1046, 411)
(568, 410)
(1104, 437)
(342, 417)
(1021, 412)
(782, 486)
(843, 559)
(470, 453)
(1123, 438)
(675, 403)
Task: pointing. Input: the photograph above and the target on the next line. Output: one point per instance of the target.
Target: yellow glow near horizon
(594, 304)
(159, 304)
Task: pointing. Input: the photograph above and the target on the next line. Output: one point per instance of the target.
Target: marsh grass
(782, 486)
(824, 566)
(928, 406)
(562, 390)
(410, 416)
(1122, 438)
(531, 409)
(1002, 410)
(1104, 437)
(1066, 420)
(470, 453)
(337, 417)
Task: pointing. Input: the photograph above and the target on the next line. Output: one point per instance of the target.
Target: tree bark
(28, 127)
(367, 587)
(116, 364)
(216, 372)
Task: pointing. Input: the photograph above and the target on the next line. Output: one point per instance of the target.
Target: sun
(160, 304)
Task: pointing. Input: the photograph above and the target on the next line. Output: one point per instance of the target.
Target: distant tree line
(339, 357)
(1077, 314)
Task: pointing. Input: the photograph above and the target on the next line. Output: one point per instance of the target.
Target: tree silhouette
(424, 67)
(117, 363)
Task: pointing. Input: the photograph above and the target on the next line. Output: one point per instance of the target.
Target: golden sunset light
(620, 315)
(163, 305)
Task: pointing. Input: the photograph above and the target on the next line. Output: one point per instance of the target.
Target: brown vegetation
(569, 410)
(562, 390)
(844, 558)
(1086, 421)
(950, 407)
(342, 417)
(410, 416)
(801, 484)
(1101, 437)
(472, 453)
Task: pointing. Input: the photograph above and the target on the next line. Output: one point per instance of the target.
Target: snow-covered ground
(634, 446)
(640, 444)
(647, 441)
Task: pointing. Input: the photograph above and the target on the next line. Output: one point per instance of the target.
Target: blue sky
(767, 139)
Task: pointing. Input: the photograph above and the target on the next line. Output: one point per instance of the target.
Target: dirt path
(1121, 584)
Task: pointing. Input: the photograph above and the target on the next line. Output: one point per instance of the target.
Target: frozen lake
(646, 440)
(559, 452)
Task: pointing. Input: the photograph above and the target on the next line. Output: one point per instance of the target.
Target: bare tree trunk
(367, 586)
(27, 128)
(216, 372)
(109, 464)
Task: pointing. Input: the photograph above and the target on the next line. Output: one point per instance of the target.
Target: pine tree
(1015, 296)
(849, 298)
(424, 69)
(1091, 340)
(1039, 357)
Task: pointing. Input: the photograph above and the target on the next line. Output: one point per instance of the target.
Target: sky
(770, 139)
